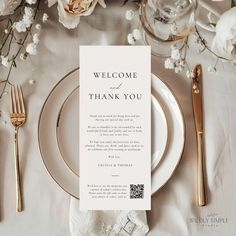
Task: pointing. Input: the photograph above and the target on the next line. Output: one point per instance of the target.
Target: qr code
(136, 191)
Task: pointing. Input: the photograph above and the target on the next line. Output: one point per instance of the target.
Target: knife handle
(200, 170)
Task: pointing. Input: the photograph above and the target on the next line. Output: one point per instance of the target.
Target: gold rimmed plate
(68, 126)
(47, 135)
(55, 119)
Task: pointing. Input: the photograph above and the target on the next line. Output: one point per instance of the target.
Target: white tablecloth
(174, 207)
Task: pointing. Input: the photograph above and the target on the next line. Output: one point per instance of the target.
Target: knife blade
(197, 94)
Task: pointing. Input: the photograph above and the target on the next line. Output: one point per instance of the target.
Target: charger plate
(58, 133)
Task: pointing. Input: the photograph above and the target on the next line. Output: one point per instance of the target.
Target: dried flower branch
(18, 27)
(205, 46)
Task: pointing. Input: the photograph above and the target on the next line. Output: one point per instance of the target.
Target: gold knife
(198, 117)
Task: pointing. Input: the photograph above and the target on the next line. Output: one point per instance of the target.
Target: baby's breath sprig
(203, 42)
(14, 39)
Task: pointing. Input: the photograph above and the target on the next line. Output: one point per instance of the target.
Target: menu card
(115, 128)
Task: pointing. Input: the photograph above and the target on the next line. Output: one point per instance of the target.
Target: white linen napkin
(106, 223)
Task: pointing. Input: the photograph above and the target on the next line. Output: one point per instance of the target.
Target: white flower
(7, 7)
(169, 63)
(211, 69)
(28, 17)
(69, 14)
(5, 61)
(173, 28)
(130, 39)
(31, 1)
(179, 65)
(31, 48)
(175, 54)
(45, 17)
(134, 36)
(6, 31)
(181, 62)
(224, 43)
(190, 74)
(36, 38)
(20, 26)
(23, 56)
(31, 81)
(129, 15)
(137, 34)
(38, 27)
(26, 21)
(29, 11)
(178, 69)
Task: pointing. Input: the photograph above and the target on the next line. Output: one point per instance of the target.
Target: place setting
(60, 118)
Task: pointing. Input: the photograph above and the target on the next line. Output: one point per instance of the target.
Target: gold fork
(18, 118)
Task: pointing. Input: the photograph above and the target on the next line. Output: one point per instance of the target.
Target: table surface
(174, 209)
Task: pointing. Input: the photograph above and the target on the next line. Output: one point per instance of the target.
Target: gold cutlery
(198, 117)
(18, 118)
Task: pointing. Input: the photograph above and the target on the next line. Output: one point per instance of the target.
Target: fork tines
(17, 101)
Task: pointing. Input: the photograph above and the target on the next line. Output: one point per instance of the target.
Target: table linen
(174, 207)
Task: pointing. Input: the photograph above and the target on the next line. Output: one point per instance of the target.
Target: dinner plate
(61, 160)
(176, 133)
(68, 125)
(47, 135)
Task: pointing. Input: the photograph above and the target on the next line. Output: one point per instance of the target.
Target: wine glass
(166, 23)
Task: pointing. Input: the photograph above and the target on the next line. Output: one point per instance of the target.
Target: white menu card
(115, 128)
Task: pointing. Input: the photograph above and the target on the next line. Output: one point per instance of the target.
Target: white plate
(47, 138)
(159, 133)
(51, 153)
(176, 134)
(68, 125)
